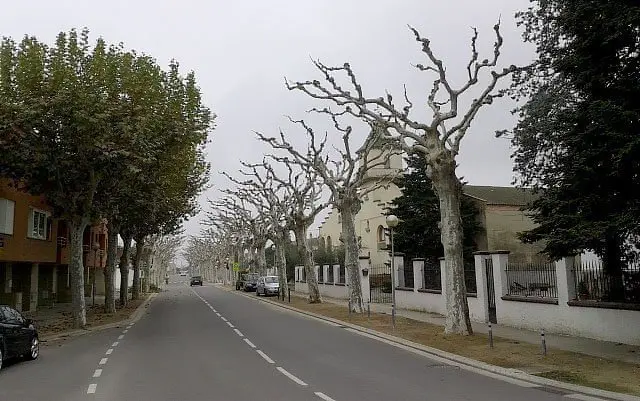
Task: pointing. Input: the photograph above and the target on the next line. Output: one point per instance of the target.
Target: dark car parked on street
(196, 280)
(18, 336)
(250, 281)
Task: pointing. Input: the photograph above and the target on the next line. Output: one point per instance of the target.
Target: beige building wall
(503, 223)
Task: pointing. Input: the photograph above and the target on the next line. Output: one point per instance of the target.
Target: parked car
(196, 280)
(250, 281)
(18, 336)
(183, 274)
(268, 285)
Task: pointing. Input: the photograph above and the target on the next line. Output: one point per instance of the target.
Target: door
(491, 292)
(22, 331)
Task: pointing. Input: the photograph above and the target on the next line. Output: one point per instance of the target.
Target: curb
(133, 317)
(457, 360)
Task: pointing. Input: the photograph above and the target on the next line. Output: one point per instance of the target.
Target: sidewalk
(601, 349)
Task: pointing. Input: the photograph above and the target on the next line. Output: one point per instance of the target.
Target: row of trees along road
(81, 122)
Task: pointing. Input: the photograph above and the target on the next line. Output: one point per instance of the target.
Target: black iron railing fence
(532, 279)
(432, 274)
(470, 277)
(407, 271)
(593, 281)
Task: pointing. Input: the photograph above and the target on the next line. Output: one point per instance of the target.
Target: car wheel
(34, 350)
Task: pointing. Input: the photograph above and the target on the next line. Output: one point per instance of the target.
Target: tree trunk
(147, 273)
(110, 268)
(309, 267)
(124, 270)
(262, 259)
(135, 290)
(76, 270)
(449, 190)
(281, 265)
(351, 260)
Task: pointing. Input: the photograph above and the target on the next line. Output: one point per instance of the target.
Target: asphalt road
(210, 344)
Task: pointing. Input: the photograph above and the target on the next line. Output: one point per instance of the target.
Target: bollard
(289, 295)
(490, 336)
(368, 310)
(393, 315)
(543, 343)
(349, 306)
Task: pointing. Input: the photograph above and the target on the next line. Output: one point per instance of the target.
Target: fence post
(289, 294)
(365, 284)
(418, 273)
(543, 343)
(398, 265)
(565, 280)
(500, 260)
(481, 281)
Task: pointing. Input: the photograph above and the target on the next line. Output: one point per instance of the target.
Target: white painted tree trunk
(281, 263)
(352, 253)
(76, 270)
(449, 190)
(109, 270)
(135, 290)
(309, 266)
(124, 270)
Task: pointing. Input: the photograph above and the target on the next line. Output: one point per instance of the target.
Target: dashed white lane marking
(92, 388)
(238, 332)
(583, 397)
(125, 331)
(115, 344)
(214, 310)
(224, 319)
(97, 373)
(230, 325)
(252, 345)
(324, 396)
(109, 351)
(121, 336)
(103, 361)
(290, 376)
(219, 315)
(265, 356)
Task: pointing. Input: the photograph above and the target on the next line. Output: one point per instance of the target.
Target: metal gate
(380, 284)
(491, 292)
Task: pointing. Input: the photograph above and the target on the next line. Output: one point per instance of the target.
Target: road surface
(207, 343)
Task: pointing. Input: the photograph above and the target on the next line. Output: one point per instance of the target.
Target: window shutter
(32, 232)
(3, 216)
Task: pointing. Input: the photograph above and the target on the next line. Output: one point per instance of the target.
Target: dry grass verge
(558, 365)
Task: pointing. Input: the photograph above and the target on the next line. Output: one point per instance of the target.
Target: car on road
(268, 285)
(196, 280)
(183, 274)
(18, 336)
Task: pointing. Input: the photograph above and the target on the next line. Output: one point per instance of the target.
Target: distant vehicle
(183, 274)
(196, 280)
(18, 336)
(268, 285)
(249, 281)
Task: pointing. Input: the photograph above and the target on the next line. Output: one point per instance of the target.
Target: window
(381, 234)
(38, 224)
(6, 216)
(329, 244)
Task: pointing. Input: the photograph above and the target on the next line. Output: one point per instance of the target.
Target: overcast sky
(241, 50)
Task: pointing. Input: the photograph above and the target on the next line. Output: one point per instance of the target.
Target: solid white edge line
(238, 332)
(252, 345)
(479, 371)
(290, 376)
(109, 351)
(324, 396)
(92, 388)
(103, 361)
(264, 356)
(97, 373)
(115, 344)
(583, 397)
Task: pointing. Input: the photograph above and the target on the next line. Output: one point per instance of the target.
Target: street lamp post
(392, 222)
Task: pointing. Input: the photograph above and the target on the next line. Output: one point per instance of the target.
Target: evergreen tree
(577, 141)
(418, 234)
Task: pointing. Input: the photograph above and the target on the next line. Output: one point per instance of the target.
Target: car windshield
(271, 279)
(197, 278)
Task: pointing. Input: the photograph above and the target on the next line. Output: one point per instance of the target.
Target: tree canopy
(576, 142)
